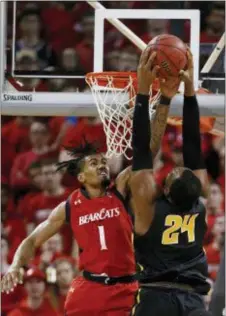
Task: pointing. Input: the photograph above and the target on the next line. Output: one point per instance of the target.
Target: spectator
(39, 138)
(7, 202)
(30, 25)
(35, 176)
(59, 25)
(215, 24)
(214, 200)
(51, 195)
(36, 303)
(4, 255)
(11, 300)
(154, 28)
(128, 60)
(214, 209)
(49, 250)
(16, 132)
(27, 60)
(7, 158)
(11, 222)
(213, 250)
(171, 157)
(53, 192)
(70, 62)
(85, 48)
(112, 61)
(89, 128)
(65, 273)
(221, 178)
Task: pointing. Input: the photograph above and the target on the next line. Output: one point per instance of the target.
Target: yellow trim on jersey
(140, 266)
(137, 301)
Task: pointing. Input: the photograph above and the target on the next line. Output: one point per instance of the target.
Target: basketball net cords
(116, 113)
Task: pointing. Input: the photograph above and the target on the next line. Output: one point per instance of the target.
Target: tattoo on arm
(158, 126)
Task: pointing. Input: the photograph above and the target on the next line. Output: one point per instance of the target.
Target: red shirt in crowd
(92, 133)
(58, 299)
(11, 300)
(213, 259)
(24, 202)
(59, 25)
(61, 301)
(7, 158)
(41, 206)
(19, 172)
(14, 228)
(85, 54)
(44, 310)
(17, 135)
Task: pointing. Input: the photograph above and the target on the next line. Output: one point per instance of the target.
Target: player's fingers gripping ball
(171, 55)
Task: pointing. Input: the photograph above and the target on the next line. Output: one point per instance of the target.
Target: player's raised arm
(27, 248)
(168, 88)
(192, 150)
(143, 143)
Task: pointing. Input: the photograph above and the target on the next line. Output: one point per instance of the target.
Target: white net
(114, 95)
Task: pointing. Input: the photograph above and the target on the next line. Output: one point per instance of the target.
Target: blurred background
(57, 38)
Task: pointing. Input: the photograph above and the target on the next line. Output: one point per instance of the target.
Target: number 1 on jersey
(103, 245)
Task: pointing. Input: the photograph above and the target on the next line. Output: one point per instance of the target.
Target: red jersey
(103, 230)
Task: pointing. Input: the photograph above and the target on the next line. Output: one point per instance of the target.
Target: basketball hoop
(114, 94)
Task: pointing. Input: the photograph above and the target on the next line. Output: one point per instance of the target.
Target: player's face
(95, 171)
(65, 274)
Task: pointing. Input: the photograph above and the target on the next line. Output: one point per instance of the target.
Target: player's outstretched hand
(169, 86)
(188, 75)
(11, 279)
(146, 71)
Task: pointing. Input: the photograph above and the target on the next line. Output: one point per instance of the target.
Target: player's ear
(81, 177)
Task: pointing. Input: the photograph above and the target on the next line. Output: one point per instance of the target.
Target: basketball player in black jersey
(169, 227)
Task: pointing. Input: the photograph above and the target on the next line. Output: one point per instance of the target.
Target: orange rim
(120, 79)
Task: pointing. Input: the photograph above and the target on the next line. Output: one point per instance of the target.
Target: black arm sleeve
(192, 151)
(141, 135)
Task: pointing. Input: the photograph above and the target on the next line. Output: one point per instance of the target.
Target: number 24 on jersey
(178, 225)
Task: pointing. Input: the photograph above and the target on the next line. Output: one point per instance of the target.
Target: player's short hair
(200, 312)
(185, 190)
(75, 165)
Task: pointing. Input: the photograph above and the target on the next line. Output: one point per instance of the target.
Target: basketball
(171, 54)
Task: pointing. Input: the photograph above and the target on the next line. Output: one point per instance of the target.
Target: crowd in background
(58, 37)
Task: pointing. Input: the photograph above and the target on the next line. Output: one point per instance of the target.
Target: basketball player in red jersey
(103, 229)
